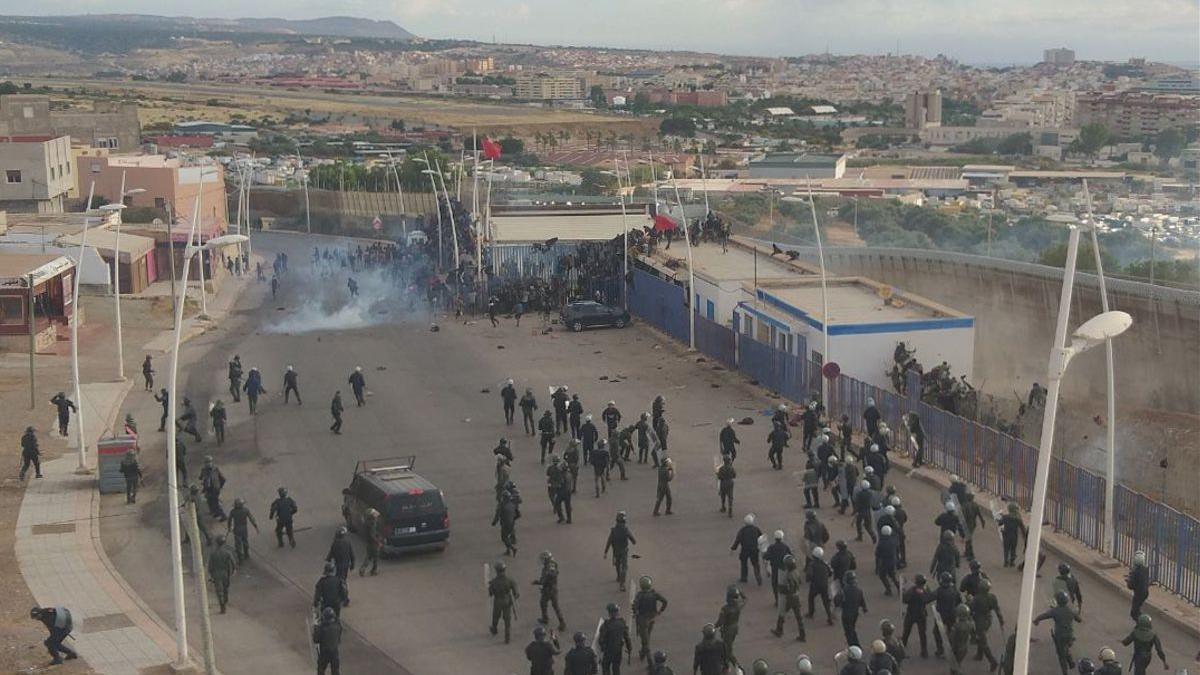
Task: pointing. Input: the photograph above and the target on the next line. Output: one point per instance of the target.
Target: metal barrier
(980, 455)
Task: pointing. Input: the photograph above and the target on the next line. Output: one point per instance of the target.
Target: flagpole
(653, 181)
(475, 211)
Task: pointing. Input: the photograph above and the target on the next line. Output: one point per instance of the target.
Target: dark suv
(586, 314)
(412, 511)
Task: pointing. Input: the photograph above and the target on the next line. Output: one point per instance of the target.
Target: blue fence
(991, 460)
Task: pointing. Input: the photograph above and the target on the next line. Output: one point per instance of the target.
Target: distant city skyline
(971, 31)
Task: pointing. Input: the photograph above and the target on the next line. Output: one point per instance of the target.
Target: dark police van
(412, 511)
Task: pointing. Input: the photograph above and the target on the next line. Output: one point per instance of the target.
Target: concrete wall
(46, 171)
(1158, 360)
(108, 124)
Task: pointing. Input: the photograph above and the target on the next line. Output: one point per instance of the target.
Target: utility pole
(32, 346)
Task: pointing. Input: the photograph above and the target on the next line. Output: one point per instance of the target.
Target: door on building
(710, 310)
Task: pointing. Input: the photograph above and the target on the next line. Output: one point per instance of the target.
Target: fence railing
(980, 455)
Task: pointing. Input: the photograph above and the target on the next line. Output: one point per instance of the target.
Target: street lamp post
(1110, 478)
(687, 238)
(117, 272)
(827, 357)
(1097, 329)
(181, 644)
(82, 467)
(624, 235)
(436, 208)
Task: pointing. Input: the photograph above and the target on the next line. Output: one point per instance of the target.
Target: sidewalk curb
(1063, 546)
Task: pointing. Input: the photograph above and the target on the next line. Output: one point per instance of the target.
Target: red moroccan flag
(491, 149)
(663, 223)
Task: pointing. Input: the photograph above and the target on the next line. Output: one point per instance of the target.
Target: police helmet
(877, 647)
(660, 656)
(840, 544)
(329, 567)
(849, 578)
(708, 630)
(579, 638)
(1086, 666)
(855, 653)
(1061, 598)
(500, 567)
(545, 555)
(886, 530)
(804, 665)
(1144, 621)
(778, 535)
(895, 501)
(760, 667)
(621, 516)
(539, 632)
(328, 613)
(1107, 655)
(945, 578)
(919, 580)
(613, 609)
(341, 532)
(975, 565)
(220, 540)
(645, 583)
(818, 552)
(749, 519)
(1064, 569)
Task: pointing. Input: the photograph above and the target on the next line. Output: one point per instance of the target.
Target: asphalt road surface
(427, 613)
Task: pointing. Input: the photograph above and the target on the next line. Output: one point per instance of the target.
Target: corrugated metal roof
(565, 226)
(106, 240)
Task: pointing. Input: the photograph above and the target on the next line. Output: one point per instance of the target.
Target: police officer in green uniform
(962, 633)
(1063, 633)
(1145, 642)
(221, 564)
(666, 474)
(581, 659)
(239, 521)
(728, 618)
(504, 594)
(372, 532)
(548, 582)
(659, 666)
(789, 594)
(983, 605)
(726, 475)
(647, 605)
(619, 539)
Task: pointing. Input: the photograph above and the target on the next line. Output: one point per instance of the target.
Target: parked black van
(413, 511)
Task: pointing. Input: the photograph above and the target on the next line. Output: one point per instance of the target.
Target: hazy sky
(977, 31)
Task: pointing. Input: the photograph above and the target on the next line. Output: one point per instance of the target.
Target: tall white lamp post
(1094, 331)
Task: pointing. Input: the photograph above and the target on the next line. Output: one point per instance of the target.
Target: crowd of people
(851, 462)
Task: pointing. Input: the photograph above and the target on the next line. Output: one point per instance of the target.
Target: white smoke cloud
(325, 303)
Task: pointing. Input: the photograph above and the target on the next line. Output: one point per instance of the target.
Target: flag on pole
(491, 149)
(664, 223)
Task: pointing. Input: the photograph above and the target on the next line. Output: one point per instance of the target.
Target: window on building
(27, 112)
(51, 173)
(160, 203)
(12, 176)
(109, 142)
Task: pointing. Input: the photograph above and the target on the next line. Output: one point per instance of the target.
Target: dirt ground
(21, 649)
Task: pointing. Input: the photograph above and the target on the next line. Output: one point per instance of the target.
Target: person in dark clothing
(341, 553)
(253, 389)
(863, 501)
(574, 413)
(774, 555)
(710, 656)
(588, 435)
(643, 437)
(331, 592)
(187, 421)
(218, 416)
(886, 559)
(916, 600)
(728, 440)
(1138, 581)
(507, 512)
(983, 605)
(745, 542)
(221, 565)
(666, 474)
(291, 385)
(726, 475)
(891, 643)
(31, 455)
(601, 460)
(558, 401)
(808, 424)
(546, 441)
(1145, 642)
(163, 397)
(358, 384)
(1063, 632)
(945, 600)
(619, 539)
(65, 407)
(881, 661)
(789, 592)
(212, 481)
(612, 418)
(818, 574)
(1012, 528)
(335, 409)
(235, 379)
(508, 396)
(528, 405)
(917, 433)
(777, 440)
(274, 286)
(581, 659)
(851, 599)
(946, 558)
(132, 471)
(612, 636)
(239, 521)
(148, 373)
(843, 561)
(729, 619)
(327, 636)
(871, 417)
(58, 621)
(648, 604)
(541, 652)
(283, 511)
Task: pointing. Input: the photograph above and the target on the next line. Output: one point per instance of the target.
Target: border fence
(981, 455)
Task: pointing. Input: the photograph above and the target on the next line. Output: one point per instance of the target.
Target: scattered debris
(603, 377)
(466, 419)
(746, 421)
(380, 367)
(657, 346)
(485, 391)
(499, 346)
(280, 309)
(598, 352)
(714, 385)
(546, 331)
(754, 382)
(433, 328)
(718, 368)
(701, 359)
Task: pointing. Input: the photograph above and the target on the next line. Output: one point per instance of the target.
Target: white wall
(868, 356)
(725, 297)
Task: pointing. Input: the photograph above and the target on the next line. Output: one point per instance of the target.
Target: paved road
(426, 613)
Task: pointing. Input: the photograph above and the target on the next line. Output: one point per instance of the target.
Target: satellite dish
(885, 292)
